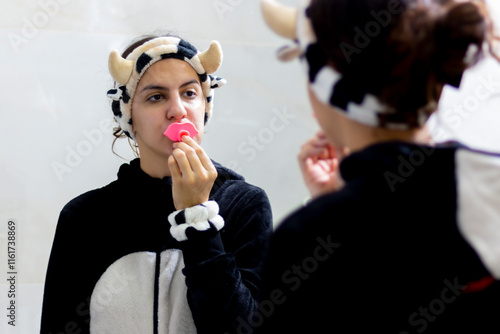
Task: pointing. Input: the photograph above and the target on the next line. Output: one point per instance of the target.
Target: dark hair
(402, 51)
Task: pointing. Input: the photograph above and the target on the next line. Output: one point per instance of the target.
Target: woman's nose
(176, 109)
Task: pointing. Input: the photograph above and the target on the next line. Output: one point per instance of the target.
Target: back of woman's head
(402, 51)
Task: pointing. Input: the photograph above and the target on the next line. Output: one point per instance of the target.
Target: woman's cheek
(193, 104)
(197, 110)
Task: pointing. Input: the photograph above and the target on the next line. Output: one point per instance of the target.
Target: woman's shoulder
(237, 198)
(94, 200)
(330, 213)
(230, 181)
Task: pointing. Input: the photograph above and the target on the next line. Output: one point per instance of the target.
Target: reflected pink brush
(177, 130)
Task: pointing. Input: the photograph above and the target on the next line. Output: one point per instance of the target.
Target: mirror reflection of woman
(176, 243)
(400, 236)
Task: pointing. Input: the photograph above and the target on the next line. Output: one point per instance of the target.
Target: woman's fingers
(196, 160)
(174, 167)
(319, 164)
(200, 154)
(193, 174)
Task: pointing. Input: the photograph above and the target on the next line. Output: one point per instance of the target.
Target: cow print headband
(128, 72)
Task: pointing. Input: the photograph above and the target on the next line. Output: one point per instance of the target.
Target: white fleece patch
(173, 301)
(478, 178)
(123, 299)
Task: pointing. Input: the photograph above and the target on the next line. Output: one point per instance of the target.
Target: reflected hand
(319, 164)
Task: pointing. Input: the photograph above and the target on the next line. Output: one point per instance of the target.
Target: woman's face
(330, 121)
(169, 92)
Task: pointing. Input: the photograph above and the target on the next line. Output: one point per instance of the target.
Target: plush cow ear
(280, 18)
(120, 69)
(211, 59)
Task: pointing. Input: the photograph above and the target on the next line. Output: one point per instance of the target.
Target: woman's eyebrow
(153, 87)
(194, 81)
(158, 87)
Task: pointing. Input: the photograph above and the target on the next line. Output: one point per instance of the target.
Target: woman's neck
(358, 136)
(154, 166)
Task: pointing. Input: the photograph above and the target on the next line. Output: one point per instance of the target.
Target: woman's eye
(190, 93)
(156, 97)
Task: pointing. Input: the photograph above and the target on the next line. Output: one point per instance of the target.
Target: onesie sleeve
(224, 243)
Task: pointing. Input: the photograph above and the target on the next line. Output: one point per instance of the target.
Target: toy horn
(120, 69)
(280, 18)
(211, 59)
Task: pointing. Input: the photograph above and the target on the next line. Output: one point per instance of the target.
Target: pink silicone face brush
(177, 130)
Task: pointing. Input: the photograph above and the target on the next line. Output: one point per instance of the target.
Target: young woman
(176, 243)
(402, 237)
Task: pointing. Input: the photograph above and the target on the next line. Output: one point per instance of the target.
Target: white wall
(55, 116)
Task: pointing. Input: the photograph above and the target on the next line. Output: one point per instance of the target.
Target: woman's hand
(319, 164)
(193, 174)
